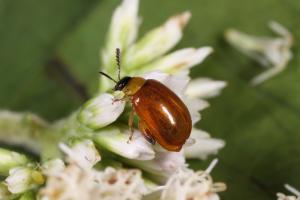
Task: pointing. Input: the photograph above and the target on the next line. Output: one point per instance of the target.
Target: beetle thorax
(133, 85)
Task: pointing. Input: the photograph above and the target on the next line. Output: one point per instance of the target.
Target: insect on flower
(163, 117)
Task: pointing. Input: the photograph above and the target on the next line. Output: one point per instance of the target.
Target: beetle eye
(122, 83)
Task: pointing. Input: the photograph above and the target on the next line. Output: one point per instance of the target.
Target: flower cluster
(94, 139)
(78, 180)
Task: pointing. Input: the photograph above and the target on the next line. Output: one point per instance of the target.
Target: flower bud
(156, 42)
(83, 153)
(10, 159)
(21, 179)
(117, 141)
(101, 111)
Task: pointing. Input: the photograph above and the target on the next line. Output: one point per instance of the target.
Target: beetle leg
(117, 100)
(130, 124)
(146, 133)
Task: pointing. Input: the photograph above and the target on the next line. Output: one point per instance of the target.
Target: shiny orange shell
(163, 116)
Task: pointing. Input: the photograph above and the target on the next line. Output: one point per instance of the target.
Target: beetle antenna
(118, 59)
(107, 76)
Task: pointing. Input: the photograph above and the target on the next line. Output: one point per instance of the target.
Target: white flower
(83, 153)
(116, 140)
(101, 111)
(204, 145)
(187, 184)
(9, 159)
(77, 183)
(163, 165)
(21, 179)
(147, 54)
(293, 190)
(273, 53)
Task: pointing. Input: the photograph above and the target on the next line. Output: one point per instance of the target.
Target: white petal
(83, 153)
(177, 83)
(280, 30)
(122, 32)
(101, 111)
(118, 142)
(269, 73)
(292, 190)
(156, 42)
(179, 60)
(204, 88)
(204, 145)
(195, 106)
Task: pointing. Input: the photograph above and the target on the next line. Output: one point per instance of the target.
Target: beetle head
(122, 83)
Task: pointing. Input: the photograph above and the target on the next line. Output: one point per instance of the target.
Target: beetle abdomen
(165, 115)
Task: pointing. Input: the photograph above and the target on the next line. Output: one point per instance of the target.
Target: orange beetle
(163, 117)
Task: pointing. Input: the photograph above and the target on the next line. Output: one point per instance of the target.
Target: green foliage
(259, 125)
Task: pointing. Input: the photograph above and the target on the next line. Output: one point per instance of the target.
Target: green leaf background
(49, 60)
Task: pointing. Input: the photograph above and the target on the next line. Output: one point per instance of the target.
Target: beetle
(163, 117)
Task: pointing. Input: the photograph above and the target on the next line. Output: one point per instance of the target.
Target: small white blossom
(291, 189)
(21, 179)
(186, 184)
(273, 53)
(83, 153)
(101, 111)
(163, 165)
(9, 159)
(204, 145)
(117, 141)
